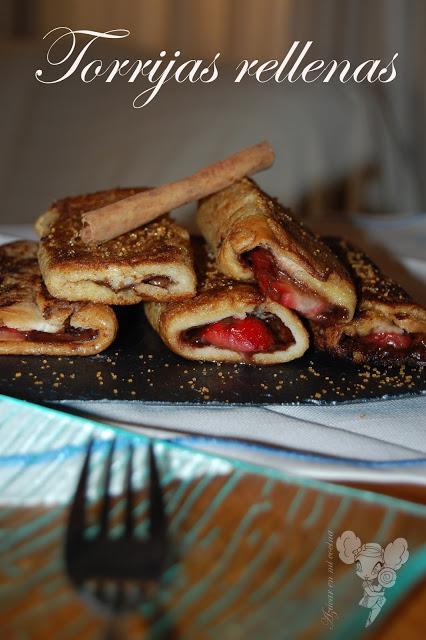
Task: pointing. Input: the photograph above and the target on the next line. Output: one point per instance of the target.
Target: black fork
(119, 573)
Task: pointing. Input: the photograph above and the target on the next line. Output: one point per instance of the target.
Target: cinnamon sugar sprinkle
(159, 241)
(131, 376)
(371, 282)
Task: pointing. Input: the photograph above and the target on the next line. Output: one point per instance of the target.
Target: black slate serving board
(139, 367)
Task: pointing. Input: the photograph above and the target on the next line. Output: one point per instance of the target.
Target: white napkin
(359, 441)
(8, 237)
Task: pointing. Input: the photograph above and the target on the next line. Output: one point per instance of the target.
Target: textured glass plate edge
(326, 487)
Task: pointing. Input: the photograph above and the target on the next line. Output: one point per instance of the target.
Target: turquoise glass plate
(257, 553)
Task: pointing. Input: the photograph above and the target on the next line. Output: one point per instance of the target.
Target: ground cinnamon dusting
(160, 241)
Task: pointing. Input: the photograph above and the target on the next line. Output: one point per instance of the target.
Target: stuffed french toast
(388, 327)
(152, 262)
(227, 321)
(254, 238)
(32, 322)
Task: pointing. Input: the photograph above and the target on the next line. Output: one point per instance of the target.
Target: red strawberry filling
(388, 339)
(11, 335)
(245, 335)
(248, 335)
(276, 287)
(7, 334)
(388, 345)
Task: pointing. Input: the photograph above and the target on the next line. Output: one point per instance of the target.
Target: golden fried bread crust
(153, 262)
(26, 305)
(240, 218)
(219, 297)
(383, 306)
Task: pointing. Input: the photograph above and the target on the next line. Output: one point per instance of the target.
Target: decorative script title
(69, 55)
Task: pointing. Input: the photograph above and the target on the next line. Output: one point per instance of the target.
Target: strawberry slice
(8, 334)
(388, 339)
(307, 306)
(264, 269)
(265, 272)
(248, 335)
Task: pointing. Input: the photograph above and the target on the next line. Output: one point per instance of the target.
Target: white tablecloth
(370, 442)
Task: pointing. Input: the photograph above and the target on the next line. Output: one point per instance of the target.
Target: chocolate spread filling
(162, 282)
(70, 335)
(282, 334)
(415, 351)
(158, 281)
(76, 335)
(331, 315)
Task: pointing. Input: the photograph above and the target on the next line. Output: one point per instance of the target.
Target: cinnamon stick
(125, 215)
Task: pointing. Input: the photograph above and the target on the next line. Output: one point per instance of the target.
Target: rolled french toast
(388, 327)
(254, 238)
(32, 322)
(153, 262)
(228, 321)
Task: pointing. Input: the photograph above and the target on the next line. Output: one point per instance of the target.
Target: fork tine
(106, 503)
(157, 518)
(128, 515)
(77, 514)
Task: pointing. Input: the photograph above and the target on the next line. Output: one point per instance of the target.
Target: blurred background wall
(392, 177)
